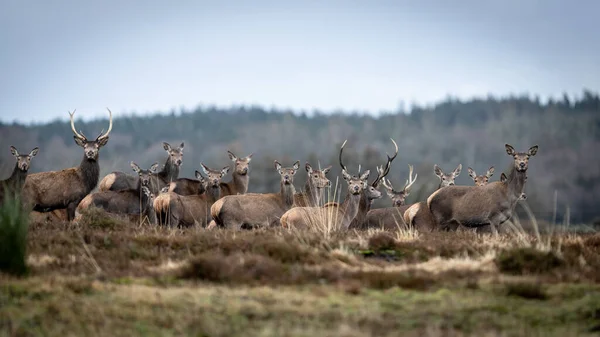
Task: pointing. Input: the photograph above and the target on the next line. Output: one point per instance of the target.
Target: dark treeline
(472, 133)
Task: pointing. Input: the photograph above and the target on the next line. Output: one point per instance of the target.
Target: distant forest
(472, 133)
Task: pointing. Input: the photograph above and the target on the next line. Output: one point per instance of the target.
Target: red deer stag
(418, 215)
(14, 184)
(189, 210)
(316, 182)
(47, 191)
(482, 179)
(130, 201)
(252, 210)
(476, 206)
(332, 214)
(119, 181)
(239, 176)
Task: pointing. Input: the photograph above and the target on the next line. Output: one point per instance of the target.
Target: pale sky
(148, 56)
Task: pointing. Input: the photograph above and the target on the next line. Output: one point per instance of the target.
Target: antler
(388, 165)
(410, 180)
(77, 134)
(387, 184)
(341, 163)
(110, 124)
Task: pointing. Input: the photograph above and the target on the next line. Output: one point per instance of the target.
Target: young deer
(119, 181)
(47, 191)
(256, 209)
(131, 201)
(418, 215)
(391, 217)
(191, 210)
(372, 193)
(239, 176)
(316, 182)
(482, 179)
(14, 184)
(340, 215)
(476, 206)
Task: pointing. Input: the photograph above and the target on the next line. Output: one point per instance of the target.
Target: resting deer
(187, 186)
(130, 201)
(119, 181)
(339, 215)
(47, 191)
(482, 179)
(372, 193)
(252, 210)
(392, 217)
(418, 215)
(191, 210)
(14, 184)
(313, 193)
(239, 176)
(476, 206)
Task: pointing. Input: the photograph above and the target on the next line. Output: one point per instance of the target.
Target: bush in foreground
(13, 236)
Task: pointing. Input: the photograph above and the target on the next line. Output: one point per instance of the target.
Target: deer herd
(163, 198)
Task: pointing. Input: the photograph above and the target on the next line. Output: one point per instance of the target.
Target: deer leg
(71, 208)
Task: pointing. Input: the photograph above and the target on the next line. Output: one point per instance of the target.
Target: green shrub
(14, 221)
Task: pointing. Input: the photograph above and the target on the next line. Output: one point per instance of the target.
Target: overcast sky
(146, 56)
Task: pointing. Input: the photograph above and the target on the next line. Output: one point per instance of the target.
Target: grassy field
(109, 277)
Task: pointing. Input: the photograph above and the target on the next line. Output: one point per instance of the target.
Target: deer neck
(240, 182)
(17, 178)
(349, 208)
(89, 172)
(287, 194)
(213, 193)
(364, 205)
(169, 172)
(315, 194)
(516, 184)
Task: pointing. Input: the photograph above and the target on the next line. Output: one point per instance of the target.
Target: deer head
(399, 197)
(23, 160)
(482, 179)
(318, 177)
(287, 173)
(91, 147)
(214, 177)
(175, 155)
(241, 164)
(521, 158)
(447, 179)
(357, 183)
(144, 175)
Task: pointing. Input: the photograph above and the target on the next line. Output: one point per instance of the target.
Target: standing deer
(189, 210)
(338, 215)
(371, 193)
(476, 206)
(47, 191)
(418, 215)
(187, 186)
(256, 209)
(482, 179)
(130, 201)
(239, 176)
(313, 193)
(392, 217)
(14, 184)
(119, 181)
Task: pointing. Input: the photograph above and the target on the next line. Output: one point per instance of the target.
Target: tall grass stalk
(14, 222)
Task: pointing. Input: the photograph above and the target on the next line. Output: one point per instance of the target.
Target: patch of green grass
(14, 222)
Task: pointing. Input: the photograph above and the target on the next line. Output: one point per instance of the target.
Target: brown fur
(476, 206)
(239, 177)
(313, 193)
(256, 209)
(14, 184)
(482, 179)
(187, 186)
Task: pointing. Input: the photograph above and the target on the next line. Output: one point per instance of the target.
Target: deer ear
(224, 171)
(509, 149)
(154, 167)
(181, 146)
(14, 151)
(472, 173)
(79, 141)
(231, 156)
(167, 146)
(457, 170)
(296, 165)
(365, 175)
(308, 168)
(199, 175)
(346, 175)
(326, 170)
(249, 157)
(34, 152)
(532, 150)
(103, 141)
(135, 167)
(204, 168)
(503, 177)
(437, 170)
(490, 172)
(278, 166)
